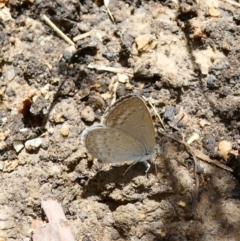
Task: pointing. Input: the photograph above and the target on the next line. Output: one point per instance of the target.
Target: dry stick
(57, 30)
(205, 158)
(57, 227)
(231, 2)
(196, 190)
(106, 2)
(155, 111)
(197, 153)
(84, 35)
(128, 72)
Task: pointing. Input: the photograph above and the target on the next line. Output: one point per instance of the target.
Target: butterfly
(126, 133)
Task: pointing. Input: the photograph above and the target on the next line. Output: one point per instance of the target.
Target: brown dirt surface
(182, 56)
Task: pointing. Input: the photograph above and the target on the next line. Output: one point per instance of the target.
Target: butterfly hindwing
(112, 145)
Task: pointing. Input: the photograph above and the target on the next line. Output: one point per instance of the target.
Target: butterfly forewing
(131, 115)
(112, 145)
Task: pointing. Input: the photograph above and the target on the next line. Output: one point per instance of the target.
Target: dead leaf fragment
(57, 227)
(224, 148)
(146, 42)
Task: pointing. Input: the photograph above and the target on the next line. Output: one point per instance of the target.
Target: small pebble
(204, 122)
(51, 130)
(1, 165)
(182, 204)
(236, 16)
(65, 130)
(82, 215)
(4, 120)
(87, 114)
(10, 92)
(10, 74)
(24, 130)
(96, 102)
(128, 86)
(209, 142)
(58, 118)
(84, 27)
(83, 92)
(169, 113)
(123, 78)
(3, 145)
(18, 146)
(33, 144)
(199, 169)
(10, 165)
(224, 148)
(213, 12)
(45, 89)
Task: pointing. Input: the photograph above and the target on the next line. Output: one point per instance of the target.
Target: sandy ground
(182, 56)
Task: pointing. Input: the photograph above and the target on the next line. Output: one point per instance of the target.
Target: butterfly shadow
(107, 180)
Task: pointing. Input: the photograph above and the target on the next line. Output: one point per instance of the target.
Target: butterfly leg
(147, 166)
(130, 167)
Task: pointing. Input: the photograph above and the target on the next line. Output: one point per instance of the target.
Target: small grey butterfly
(126, 133)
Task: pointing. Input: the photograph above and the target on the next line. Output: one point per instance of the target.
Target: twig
(231, 2)
(156, 113)
(57, 227)
(84, 35)
(57, 30)
(106, 2)
(197, 153)
(188, 148)
(205, 158)
(111, 69)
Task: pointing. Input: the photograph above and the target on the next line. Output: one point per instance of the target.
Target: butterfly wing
(112, 145)
(131, 115)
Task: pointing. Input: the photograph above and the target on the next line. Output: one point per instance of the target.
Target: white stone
(18, 146)
(33, 144)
